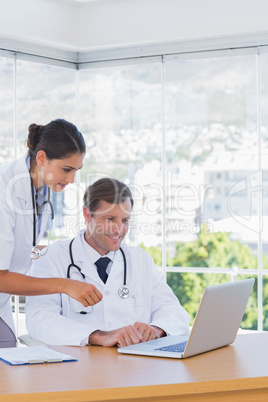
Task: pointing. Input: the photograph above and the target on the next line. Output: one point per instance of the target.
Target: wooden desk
(236, 372)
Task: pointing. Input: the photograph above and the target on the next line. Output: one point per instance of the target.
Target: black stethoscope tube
(72, 262)
(36, 211)
(123, 291)
(125, 266)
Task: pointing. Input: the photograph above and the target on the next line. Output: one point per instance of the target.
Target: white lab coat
(16, 219)
(51, 319)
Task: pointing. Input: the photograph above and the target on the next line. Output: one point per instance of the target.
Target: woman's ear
(41, 158)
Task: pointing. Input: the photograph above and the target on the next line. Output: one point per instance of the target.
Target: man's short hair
(110, 190)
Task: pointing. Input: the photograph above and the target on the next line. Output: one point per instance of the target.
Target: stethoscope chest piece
(35, 254)
(123, 292)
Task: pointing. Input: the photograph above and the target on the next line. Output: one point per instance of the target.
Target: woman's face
(57, 173)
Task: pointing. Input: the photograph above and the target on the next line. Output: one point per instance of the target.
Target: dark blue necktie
(101, 264)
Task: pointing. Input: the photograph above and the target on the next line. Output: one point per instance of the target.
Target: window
(184, 132)
(7, 149)
(120, 116)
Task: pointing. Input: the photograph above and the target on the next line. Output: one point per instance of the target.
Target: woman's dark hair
(110, 190)
(58, 139)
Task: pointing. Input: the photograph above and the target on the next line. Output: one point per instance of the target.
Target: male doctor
(150, 311)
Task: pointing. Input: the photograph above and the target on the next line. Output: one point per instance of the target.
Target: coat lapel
(87, 267)
(22, 189)
(117, 267)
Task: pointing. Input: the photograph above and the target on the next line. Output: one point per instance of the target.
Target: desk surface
(102, 374)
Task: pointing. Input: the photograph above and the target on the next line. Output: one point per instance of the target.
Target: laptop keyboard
(178, 347)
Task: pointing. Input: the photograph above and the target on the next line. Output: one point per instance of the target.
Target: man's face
(107, 226)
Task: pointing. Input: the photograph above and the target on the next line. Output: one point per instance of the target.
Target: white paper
(33, 355)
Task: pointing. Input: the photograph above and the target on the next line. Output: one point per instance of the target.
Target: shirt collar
(92, 255)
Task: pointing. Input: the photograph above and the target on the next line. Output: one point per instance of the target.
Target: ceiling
(78, 1)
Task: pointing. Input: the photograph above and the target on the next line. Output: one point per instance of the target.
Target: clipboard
(33, 355)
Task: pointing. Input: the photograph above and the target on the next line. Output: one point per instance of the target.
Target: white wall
(127, 22)
(120, 24)
(44, 22)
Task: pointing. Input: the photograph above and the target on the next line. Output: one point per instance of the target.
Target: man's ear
(41, 158)
(86, 214)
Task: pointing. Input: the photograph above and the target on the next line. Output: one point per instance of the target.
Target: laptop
(216, 323)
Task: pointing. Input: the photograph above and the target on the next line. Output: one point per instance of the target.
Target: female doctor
(55, 152)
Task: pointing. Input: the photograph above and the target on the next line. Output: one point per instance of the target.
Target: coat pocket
(135, 307)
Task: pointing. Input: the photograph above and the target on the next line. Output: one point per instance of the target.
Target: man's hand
(149, 332)
(124, 336)
(85, 293)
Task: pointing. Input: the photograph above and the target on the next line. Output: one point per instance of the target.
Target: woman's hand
(86, 293)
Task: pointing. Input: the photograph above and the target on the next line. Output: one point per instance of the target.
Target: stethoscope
(36, 253)
(123, 291)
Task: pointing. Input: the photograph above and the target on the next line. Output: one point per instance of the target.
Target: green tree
(155, 252)
(212, 250)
